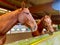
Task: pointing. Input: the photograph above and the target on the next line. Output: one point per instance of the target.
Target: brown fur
(46, 23)
(8, 20)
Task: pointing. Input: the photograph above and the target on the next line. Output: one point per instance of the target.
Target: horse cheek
(20, 20)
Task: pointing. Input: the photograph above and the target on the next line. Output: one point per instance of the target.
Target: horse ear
(47, 13)
(50, 15)
(23, 4)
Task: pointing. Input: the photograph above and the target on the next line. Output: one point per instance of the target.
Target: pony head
(26, 18)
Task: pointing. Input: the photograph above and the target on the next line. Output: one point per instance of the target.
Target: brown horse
(46, 23)
(8, 20)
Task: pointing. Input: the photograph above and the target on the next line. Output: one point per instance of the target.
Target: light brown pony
(46, 23)
(8, 20)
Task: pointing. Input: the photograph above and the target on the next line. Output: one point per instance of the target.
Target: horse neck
(40, 26)
(7, 21)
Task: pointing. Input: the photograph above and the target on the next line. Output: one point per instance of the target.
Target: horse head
(47, 23)
(26, 18)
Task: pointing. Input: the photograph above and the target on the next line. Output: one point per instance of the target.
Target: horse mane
(39, 29)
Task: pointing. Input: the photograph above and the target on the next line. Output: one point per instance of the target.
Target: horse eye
(26, 13)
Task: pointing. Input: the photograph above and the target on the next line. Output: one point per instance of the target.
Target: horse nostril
(50, 33)
(34, 27)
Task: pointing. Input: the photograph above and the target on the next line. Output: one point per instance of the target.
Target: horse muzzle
(34, 28)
